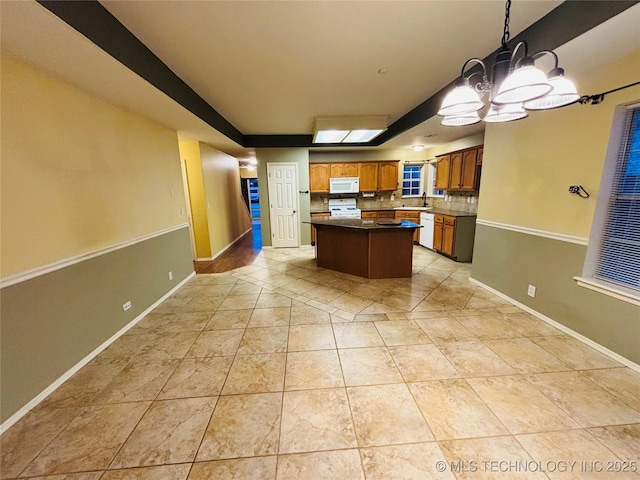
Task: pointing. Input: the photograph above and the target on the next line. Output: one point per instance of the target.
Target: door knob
(293, 212)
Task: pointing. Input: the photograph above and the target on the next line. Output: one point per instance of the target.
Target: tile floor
(280, 370)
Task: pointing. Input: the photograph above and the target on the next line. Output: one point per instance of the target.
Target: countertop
(361, 224)
(452, 213)
(439, 211)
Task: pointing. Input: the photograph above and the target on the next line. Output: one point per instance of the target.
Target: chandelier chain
(505, 34)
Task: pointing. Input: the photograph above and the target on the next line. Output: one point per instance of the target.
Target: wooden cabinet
(344, 169)
(444, 234)
(388, 176)
(443, 168)
(387, 214)
(411, 216)
(438, 227)
(368, 173)
(454, 236)
(463, 170)
(448, 235)
(374, 176)
(458, 171)
(369, 215)
(319, 177)
(455, 172)
(313, 229)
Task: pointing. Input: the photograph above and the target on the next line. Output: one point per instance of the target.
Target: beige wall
(78, 174)
(530, 164)
(246, 173)
(527, 170)
(219, 214)
(190, 153)
(367, 155)
(227, 214)
(299, 156)
(461, 144)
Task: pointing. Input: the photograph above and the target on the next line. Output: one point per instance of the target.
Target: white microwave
(344, 185)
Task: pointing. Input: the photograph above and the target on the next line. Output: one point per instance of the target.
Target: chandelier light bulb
(525, 83)
(460, 120)
(462, 99)
(563, 93)
(505, 113)
(514, 86)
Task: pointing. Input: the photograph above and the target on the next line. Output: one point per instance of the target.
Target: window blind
(618, 259)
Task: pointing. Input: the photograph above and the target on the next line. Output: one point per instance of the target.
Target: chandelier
(516, 86)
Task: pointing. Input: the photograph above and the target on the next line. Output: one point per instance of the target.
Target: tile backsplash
(458, 201)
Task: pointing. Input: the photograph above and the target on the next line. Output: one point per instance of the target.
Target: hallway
(240, 254)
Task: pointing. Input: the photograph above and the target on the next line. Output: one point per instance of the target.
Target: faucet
(424, 199)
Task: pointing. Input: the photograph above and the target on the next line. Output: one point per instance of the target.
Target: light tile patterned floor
(280, 370)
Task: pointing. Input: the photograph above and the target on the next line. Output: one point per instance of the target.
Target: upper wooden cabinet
(443, 168)
(344, 169)
(468, 175)
(368, 173)
(387, 176)
(319, 174)
(455, 172)
(373, 176)
(458, 171)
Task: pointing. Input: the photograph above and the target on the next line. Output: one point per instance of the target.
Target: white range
(344, 208)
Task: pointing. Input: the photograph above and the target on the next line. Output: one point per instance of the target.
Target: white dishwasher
(426, 232)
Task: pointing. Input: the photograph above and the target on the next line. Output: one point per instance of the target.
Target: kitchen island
(366, 248)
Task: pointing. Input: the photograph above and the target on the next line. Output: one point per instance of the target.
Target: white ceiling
(270, 67)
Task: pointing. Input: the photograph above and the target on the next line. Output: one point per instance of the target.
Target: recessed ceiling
(270, 67)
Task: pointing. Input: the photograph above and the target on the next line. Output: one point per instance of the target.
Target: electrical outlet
(531, 291)
(181, 210)
(126, 306)
(170, 275)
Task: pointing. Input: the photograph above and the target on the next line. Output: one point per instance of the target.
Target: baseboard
(613, 355)
(73, 370)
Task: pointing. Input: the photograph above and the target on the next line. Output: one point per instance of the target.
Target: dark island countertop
(362, 224)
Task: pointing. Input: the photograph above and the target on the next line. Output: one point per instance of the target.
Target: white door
(283, 204)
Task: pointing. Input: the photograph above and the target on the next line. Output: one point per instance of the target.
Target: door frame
(187, 197)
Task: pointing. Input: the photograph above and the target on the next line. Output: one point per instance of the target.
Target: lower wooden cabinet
(453, 236)
(387, 214)
(313, 229)
(411, 216)
(369, 215)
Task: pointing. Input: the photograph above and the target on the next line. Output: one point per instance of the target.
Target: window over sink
(430, 181)
(412, 180)
(419, 178)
